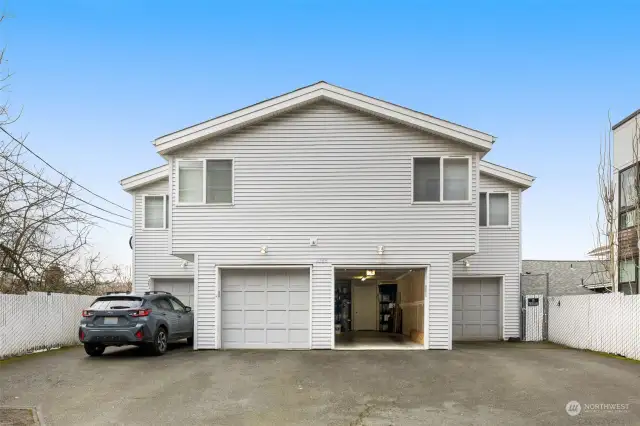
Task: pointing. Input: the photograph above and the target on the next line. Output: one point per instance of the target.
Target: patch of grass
(35, 354)
(608, 355)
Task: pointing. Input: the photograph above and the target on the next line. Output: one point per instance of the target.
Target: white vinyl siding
(151, 256)
(344, 177)
(499, 255)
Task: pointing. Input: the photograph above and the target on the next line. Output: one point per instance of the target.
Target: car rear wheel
(93, 350)
(160, 342)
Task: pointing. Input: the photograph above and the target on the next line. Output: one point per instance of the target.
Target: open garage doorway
(379, 308)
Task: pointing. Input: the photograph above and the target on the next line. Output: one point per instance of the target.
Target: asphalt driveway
(502, 383)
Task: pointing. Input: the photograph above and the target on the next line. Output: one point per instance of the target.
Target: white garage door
(476, 309)
(265, 308)
(181, 288)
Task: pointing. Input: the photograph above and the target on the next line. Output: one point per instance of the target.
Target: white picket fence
(600, 322)
(39, 321)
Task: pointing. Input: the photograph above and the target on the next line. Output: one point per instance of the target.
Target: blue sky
(99, 80)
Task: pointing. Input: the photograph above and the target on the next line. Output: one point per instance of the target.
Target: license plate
(110, 320)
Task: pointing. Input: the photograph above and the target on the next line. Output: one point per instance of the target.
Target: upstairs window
(494, 209)
(155, 212)
(629, 187)
(205, 181)
(441, 179)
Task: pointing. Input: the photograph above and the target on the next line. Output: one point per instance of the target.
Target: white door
(365, 309)
(179, 287)
(265, 308)
(476, 309)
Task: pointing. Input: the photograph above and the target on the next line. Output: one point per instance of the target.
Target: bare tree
(618, 222)
(43, 230)
(605, 234)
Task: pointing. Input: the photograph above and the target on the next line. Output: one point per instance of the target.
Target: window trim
(442, 158)
(488, 209)
(164, 211)
(204, 182)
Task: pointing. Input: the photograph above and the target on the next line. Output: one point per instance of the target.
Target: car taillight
(139, 334)
(140, 313)
(87, 313)
(81, 335)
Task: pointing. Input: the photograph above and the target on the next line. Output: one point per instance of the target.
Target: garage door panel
(299, 300)
(476, 309)
(278, 281)
(490, 302)
(299, 319)
(233, 319)
(299, 337)
(277, 337)
(277, 317)
(255, 336)
(233, 335)
(255, 299)
(277, 299)
(233, 299)
(471, 302)
(275, 307)
(254, 318)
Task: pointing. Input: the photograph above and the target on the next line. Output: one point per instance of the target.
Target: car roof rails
(156, 292)
(119, 293)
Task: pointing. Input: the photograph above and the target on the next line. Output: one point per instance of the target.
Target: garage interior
(379, 308)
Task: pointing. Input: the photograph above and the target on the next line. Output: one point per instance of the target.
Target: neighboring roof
(521, 179)
(565, 277)
(312, 93)
(133, 182)
(602, 251)
(624, 120)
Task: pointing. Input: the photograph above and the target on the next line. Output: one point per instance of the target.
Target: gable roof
(134, 182)
(318, 91)
(624, 120)
(518, 178)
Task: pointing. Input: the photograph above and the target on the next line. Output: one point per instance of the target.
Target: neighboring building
(259, 212)
(566, 277)
(626, 135)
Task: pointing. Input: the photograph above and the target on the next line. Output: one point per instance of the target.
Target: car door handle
(164, 314)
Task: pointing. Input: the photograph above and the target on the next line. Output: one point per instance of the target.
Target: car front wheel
(160, 342)
(93, 350)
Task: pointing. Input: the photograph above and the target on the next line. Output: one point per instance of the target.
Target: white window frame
(204, 182)
(487, 212)
(164, 211)
(442, 158)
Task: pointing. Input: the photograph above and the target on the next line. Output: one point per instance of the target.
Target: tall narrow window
(219, 181)
(190, 181)
(154, 212)
(455, 173)
(498, 209)
(629, 186)
(483, 209)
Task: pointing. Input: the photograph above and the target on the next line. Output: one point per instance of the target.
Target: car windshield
(118, 302)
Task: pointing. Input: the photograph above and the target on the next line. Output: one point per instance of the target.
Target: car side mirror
(187, 308)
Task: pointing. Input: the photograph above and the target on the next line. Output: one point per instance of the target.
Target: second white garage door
(265, 308)
(181, 288)
(476, 309)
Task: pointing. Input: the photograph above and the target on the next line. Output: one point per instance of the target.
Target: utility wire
(60, 173)
(68, 194)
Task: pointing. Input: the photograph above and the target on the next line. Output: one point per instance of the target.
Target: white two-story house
(313, 218)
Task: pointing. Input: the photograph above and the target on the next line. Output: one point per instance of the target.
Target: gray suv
(150, 321)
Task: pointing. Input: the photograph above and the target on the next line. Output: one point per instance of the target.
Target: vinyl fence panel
(39, 321)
